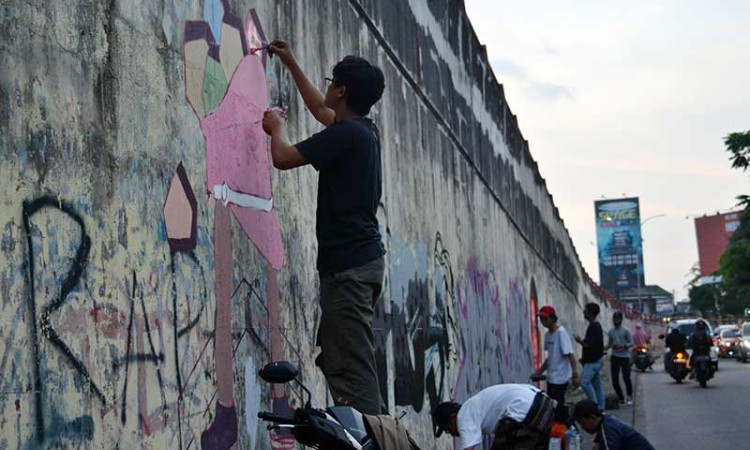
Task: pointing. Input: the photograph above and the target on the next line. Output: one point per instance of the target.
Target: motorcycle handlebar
(271, 417)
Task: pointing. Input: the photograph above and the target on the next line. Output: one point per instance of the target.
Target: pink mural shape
(256, 39)
(180, 213)
(236, 146)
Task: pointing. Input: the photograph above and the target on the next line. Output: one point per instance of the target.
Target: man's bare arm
(543, 367)
(311, 95)
(284, 156)
(574, 367)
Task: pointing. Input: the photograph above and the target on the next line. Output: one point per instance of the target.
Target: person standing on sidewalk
(350, 249)
(593, 356)
(560, 363)
(620, 341)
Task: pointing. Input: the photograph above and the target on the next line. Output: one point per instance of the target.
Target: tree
(738, 146)
(704, 298)
(734, 265)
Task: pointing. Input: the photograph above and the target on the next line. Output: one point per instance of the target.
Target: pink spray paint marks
(236, 153)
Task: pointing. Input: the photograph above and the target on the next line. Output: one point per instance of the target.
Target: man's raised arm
(311, 95)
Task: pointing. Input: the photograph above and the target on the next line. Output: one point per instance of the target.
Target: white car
(687, 326)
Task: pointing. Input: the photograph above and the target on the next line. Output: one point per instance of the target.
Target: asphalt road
(686, 416)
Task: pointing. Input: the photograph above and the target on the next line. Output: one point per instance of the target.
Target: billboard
(713, 233)
(664, 309)
(618, 237)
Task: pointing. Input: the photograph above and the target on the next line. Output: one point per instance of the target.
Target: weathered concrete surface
(107, 337)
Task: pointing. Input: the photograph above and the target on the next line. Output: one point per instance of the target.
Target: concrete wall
(108, 318)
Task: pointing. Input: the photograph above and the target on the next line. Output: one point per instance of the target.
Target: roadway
(686, 416)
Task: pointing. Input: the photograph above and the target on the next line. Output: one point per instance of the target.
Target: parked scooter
(704, 370)
(335, 428)
(678, 366)
(641, 359)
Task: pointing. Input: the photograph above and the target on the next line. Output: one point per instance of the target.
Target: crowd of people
(522, 416)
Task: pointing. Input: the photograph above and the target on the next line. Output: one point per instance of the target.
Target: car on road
(743, 347)
(722, 327)
(727, 342)
(687, 327)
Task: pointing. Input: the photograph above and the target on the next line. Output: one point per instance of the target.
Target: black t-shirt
(347, 155)
(593, 348)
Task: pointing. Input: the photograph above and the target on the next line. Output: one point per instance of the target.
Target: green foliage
(738, 145)
(734, 265)
(704, 298)
(695, 275)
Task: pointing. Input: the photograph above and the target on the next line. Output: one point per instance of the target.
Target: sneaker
(629, 401)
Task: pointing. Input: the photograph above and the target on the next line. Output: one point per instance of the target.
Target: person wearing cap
(519, 415)
(620, 341)
(560, 363)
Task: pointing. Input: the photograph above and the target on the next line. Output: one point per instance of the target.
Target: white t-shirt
(480, 414)
(558, 347)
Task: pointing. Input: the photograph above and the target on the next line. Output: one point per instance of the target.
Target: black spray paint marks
(152, 357)
(416, 332)
(31, 208)
(127, 352)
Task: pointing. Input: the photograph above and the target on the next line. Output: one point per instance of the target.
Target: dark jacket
(700, 343)
(675, 341)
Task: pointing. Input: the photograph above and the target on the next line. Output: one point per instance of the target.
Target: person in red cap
(560, 363)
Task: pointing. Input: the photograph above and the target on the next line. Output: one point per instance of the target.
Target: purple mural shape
(236, 147)
(180, 213)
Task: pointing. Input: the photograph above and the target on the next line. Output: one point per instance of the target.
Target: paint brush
(263, 48)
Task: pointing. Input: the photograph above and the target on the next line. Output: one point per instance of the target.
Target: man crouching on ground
(519, 415)
(350, 251)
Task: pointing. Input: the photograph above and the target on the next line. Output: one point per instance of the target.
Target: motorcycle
(678, 366)
(334, 428)
(704, 371)
(641, 359)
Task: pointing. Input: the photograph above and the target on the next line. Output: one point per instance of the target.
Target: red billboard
(713, 234)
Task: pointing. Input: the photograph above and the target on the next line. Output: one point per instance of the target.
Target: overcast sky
(628, 98)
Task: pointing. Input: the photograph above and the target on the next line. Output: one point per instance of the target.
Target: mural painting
(143, 278)
(225, 84)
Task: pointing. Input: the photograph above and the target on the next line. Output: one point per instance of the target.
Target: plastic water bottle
(555, 443)
(573, 437)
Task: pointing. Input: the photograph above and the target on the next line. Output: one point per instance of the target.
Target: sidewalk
(630, 414)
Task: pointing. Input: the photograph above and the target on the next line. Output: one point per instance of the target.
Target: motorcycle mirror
(278, 372)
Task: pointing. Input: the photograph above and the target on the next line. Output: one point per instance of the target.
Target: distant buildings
(650, 299)
(713, 233)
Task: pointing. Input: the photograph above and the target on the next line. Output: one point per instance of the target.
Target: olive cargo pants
(345, 336)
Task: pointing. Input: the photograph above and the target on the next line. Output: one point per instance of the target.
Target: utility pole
(638, 260)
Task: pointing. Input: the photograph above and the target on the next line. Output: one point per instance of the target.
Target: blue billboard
(618, 237)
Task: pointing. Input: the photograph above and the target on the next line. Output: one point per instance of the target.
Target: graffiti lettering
(70, 281)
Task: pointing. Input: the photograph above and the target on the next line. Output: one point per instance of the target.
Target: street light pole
(638, 259)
